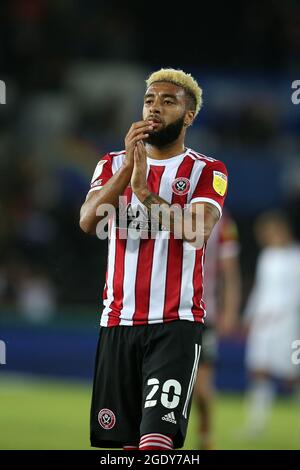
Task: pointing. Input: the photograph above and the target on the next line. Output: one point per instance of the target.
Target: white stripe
(160, 441)
(118, 153)
(189, 255)
(201, 155)
(192, 379)
(117, 162)
(130, 265)
(130, 270)
(168, 161)
(157, 437)
(187, 288)
(160, 254)
(207, 199)
(164, 446)
(195, 176)
(110, 275)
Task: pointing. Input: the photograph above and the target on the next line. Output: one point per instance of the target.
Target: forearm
(174, 219)
(108, 194)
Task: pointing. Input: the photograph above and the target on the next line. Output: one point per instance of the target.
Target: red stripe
(161, 437)
(194, 155)
(145, 258)
(105, 287)
(175, 252)
(118, 280)
(197, 308)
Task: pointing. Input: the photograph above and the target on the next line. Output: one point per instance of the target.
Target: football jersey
(155, 280)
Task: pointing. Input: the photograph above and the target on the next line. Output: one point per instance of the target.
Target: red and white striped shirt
(159, 280)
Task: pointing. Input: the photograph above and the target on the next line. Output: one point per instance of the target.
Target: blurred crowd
(75, 74)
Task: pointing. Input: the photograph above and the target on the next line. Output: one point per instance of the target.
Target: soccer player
(151, 325)
(273, 317)
(222, 294)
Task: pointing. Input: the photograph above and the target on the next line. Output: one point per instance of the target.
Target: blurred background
(75, 75)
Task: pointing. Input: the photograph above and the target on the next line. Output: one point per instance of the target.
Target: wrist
(127, 166)
(142, 193)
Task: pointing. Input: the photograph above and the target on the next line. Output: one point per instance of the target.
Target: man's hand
(137, 132)
(139, 174)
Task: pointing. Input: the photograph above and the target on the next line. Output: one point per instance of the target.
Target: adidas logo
(170, 417)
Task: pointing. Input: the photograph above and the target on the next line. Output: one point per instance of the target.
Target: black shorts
(143, 382)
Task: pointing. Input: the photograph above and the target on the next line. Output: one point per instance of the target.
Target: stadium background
(74, 74)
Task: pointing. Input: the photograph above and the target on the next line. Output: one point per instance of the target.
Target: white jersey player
(272, 315)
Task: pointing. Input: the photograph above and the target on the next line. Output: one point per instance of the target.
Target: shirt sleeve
(212, 185)
(103, 172)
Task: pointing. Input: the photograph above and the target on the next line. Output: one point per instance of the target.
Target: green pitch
(37, 414)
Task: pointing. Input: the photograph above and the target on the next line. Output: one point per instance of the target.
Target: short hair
(182, 79)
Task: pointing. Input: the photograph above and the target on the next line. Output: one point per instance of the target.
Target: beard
(166, 135)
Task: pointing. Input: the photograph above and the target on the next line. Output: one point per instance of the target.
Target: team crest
(106, 418)
(220, 182)
(181, 186)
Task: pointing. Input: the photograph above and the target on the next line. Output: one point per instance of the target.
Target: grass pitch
(40, 414)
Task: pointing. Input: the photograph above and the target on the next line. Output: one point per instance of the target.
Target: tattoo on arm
(182, 222)
(172, 218)
(164, 207)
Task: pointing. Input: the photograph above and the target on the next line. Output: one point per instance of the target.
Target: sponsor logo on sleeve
(219, 182)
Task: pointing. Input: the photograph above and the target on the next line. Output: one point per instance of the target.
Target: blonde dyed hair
(179, 78)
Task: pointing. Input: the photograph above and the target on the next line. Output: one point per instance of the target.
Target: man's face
(165, 105)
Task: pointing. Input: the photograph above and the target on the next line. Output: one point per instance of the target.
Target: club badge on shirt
(181, 186)
(219, 182)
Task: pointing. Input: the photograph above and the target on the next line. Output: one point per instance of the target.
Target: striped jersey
(156, 280)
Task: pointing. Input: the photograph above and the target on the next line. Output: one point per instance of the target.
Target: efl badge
(220, 183)
(181, 186)
(106, 418)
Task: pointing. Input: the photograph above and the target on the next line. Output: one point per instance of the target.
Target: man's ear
(189, 118)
